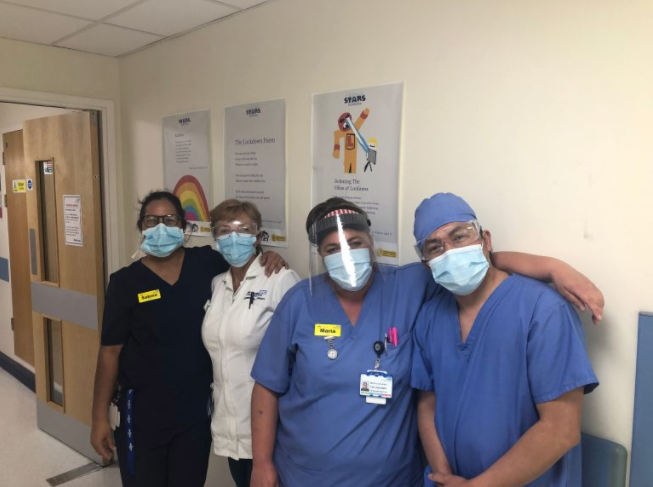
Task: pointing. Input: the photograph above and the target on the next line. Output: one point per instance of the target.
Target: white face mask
(161, 240)
(460, 271)
(350, 272)
(236, 248)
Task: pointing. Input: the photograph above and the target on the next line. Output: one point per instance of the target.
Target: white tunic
(233, 328)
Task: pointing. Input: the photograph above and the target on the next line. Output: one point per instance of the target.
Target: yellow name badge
(327, 330)
(149, 296)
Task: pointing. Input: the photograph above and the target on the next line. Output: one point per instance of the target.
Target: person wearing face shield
(332, 404)
(152, 365)
(499, 362)
(244, 299)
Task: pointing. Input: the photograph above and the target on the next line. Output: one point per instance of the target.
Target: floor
(28, 456)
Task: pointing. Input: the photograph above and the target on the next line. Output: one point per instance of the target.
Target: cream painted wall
(11, 118)
(539, 113)
(34, 67)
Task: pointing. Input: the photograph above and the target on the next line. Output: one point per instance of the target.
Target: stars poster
(356, 146)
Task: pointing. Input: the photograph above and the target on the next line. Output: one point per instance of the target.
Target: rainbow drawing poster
(187, 165)
(192, 197)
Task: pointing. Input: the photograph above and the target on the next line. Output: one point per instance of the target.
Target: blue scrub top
(526, 347)
(327, 434)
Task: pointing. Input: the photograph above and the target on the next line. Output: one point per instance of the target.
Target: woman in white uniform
(242, 304)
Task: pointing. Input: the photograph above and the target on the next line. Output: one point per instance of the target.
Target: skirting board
(22, 374)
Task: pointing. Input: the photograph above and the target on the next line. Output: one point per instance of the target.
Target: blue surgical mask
(350, 271)
(460, 271)
(161, 241)
(236, 248)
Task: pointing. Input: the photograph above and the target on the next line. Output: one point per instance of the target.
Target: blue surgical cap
(438, 210)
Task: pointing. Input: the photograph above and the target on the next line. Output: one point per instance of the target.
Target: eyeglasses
(453, 236)
(222, 230)
(150, 221)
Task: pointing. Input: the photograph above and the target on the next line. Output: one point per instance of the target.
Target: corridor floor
(28, 456)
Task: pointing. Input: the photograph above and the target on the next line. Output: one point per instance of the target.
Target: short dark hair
(161, 195)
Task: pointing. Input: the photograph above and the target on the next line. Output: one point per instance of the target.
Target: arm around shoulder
(572, 284)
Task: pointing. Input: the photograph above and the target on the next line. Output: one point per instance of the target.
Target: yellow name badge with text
(149, 296)
(327, 330)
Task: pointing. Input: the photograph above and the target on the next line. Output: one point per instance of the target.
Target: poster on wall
(72, 220)
(356, 143)
(255, 163)
(187, 166)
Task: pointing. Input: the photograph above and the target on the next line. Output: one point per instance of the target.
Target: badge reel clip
(375, 384)
(332, 353)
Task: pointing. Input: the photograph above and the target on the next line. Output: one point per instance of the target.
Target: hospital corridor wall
(539, 114)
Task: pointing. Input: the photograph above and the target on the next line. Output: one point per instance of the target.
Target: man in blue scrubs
(503, 358)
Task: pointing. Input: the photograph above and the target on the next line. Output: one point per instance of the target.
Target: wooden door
(21, 295)
(67, 278)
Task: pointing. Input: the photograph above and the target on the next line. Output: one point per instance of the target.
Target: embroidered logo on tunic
(257, 294)
(322, 330)
(253, 296)
(149, 296)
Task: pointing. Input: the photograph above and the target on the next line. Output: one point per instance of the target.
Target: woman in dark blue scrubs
(152, 349)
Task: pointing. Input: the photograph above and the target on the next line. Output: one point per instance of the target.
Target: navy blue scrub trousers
(176, 459)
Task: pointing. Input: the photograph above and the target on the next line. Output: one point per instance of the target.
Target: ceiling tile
(108, 40)
(89, 9)
(242, 3)
(169, 17)
(26, 24)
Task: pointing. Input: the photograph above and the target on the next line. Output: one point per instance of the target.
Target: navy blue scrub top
(163, 358)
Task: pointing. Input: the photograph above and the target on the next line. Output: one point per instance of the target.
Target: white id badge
(114, 416)
(376, 386)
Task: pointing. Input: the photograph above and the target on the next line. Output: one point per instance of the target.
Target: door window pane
(47, 208)
(55, 361)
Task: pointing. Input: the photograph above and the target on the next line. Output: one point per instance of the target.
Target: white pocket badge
(114, 416)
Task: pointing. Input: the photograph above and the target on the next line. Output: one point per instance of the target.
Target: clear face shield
(342, 251)
(236, 239)
(451, 236)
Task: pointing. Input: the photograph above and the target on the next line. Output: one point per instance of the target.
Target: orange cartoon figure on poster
(347, 133)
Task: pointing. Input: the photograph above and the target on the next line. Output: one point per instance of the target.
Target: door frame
(112, 210)
(68, 430)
